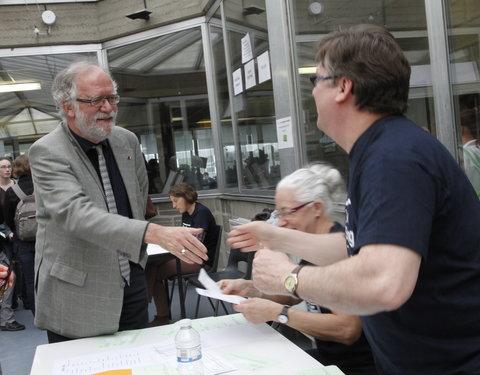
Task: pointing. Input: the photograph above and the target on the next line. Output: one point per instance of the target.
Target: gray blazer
(79, 289)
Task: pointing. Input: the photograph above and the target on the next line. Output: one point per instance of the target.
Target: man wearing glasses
(411, 220)
(91, 191)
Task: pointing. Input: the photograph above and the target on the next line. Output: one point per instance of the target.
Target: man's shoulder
(50, 139)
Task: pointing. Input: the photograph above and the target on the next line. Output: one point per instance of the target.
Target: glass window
(253, 100)
(464, 50)
(26, 115)
(163, 88)
(405, 19)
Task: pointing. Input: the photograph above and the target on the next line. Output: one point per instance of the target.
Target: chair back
(235, 258)
(218, 233)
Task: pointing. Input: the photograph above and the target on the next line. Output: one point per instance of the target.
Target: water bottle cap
(185, 323)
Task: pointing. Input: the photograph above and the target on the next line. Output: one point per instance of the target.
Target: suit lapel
(82, 156)
(125, 158)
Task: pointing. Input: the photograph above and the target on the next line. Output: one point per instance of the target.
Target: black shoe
(13, 326)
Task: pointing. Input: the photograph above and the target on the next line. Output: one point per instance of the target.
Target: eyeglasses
(291, 211)
(97, 101)
(315, 79)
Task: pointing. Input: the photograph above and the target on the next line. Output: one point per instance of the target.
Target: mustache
(105, 116)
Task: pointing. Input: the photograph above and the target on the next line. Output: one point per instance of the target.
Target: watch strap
(285, 312)
(295, 272)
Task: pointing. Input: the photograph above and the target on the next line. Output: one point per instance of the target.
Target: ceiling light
(19, 86)
(307, 70)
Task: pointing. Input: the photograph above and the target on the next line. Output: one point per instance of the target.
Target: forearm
(345, 329)
(380, 278)
(319, 249)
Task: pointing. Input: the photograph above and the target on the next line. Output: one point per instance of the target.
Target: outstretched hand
(180, 241)
(251, 237)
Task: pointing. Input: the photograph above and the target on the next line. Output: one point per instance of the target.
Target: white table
(249, 348)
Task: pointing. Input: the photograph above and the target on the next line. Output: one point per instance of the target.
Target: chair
(187, 276)
(231, 271)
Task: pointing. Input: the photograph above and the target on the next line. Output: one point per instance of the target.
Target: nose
(106, 106)
(282, 222)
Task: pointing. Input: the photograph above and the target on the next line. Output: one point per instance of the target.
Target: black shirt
(119, 190)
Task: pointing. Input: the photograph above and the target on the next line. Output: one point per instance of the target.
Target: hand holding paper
(213, 291)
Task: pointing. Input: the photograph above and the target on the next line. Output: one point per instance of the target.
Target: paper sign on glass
(263, 63)
(250, 74)
(237, 81)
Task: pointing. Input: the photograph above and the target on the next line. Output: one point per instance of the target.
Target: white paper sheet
(213, 291)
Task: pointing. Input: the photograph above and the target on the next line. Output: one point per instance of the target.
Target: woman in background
(25, 250)
(195, 215)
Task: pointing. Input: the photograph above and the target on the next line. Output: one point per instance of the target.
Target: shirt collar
(85, 144)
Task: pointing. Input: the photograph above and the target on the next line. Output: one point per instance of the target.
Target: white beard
(88, 126)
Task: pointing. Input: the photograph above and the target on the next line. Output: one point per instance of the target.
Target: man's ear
(68, 109)
(345, 89)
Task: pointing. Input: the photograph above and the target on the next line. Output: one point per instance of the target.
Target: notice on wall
(247, 50)
(263, 63)
(285, 133)
(237, 81)
(250, 80)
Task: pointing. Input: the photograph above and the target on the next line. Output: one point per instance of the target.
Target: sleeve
(396, 204)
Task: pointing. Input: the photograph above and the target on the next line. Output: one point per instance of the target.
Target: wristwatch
(291, 281)
(283, 316)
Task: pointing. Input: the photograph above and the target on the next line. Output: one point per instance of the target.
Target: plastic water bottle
(189, 351)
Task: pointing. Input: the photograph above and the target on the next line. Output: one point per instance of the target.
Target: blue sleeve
(396, 203)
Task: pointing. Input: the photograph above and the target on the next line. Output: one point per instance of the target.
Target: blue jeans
(26, 256)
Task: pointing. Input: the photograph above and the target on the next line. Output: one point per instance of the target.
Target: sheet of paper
(122, 362)
(153, 249)
(213, 291)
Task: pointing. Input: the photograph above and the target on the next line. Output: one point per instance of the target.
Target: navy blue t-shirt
(352, 359)
(203, 218)
(406, 189)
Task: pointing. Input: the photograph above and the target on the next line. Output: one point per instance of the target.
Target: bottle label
(185, 355)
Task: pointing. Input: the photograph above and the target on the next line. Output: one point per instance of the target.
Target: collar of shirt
(85, 144)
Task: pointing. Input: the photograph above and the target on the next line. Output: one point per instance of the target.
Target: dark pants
(135, 305)
(26, 257)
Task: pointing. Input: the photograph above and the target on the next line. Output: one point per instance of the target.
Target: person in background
(411, 227)
(91, 190)
(25, 250)
(7, 255)
(194, 215)
(304, 201)
(470, 132)
(7, 313)
(5, 182)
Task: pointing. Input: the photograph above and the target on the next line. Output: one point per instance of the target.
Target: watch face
(290, 283)
(283, 319)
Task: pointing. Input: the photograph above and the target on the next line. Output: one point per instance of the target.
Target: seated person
(194, 215)
(304, 201)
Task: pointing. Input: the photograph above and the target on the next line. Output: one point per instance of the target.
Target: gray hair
(64, 88)
(319, 182)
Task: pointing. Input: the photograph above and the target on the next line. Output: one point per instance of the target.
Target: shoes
(12, 326)
(158, 321)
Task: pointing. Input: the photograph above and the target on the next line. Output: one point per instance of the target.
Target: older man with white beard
(91, 190)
